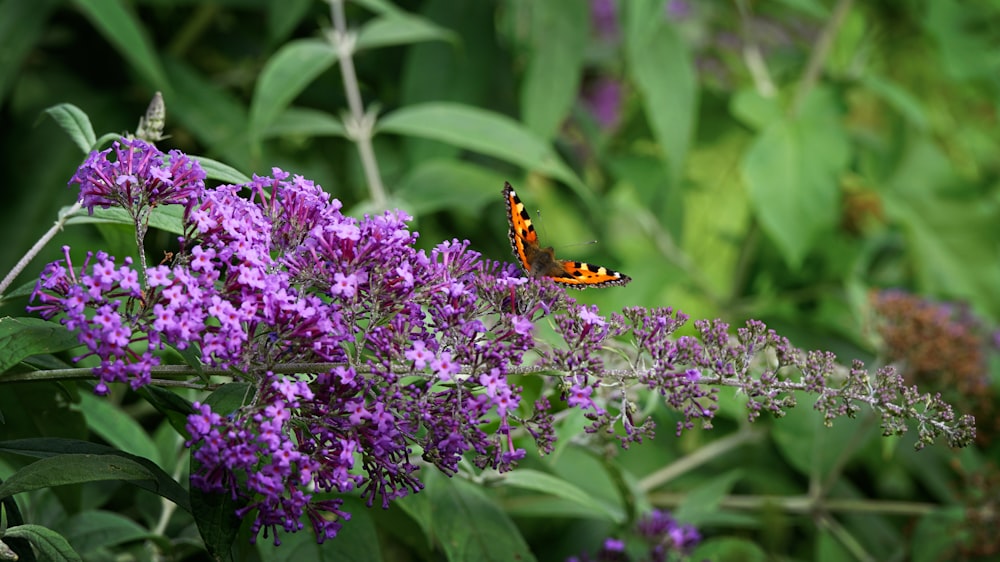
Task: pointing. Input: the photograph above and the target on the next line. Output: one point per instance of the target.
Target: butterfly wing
(523, 238)
(541, 262)
(582, 275)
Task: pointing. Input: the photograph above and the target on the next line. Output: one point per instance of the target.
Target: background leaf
(791, 171)
(555, 65)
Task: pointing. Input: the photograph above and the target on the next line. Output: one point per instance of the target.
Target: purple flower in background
(604, 17)
(666, 539)
(603, 97)
(665, 534)
(614, 545)
(678, 10)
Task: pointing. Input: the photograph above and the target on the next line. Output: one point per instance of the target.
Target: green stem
(359, 124)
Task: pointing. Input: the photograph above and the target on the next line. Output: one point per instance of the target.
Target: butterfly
(541, 262)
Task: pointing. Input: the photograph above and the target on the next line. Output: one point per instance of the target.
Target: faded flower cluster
(656, 537)
(365, 358)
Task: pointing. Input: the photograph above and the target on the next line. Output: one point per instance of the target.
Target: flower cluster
(763, 365)
(938, 346)
(138, 179)
(361, 356)
(657, 537)
(281, 282)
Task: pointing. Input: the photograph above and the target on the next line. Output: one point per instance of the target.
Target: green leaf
(448, 184)
(283, 17)
(716, 210)
(69, 461)
(400, 29)
(24, 337)
(215, 170)
(379, 6)
(216, 519)
(168, 218)
(481, 131)
(560, 32)
(792, 171)
(124, 30)
(22, 24)
(228, 397)
(663, 70)
(76, 123)
(284, 77)
(537, 481)
(904, 102)
(934, 537)
(966, 43)
(952, 238)
(95, 529)
(812, 8)
(755, 110)
(116, 427)
(106, 140)
(301, 121)
(704, 500)
(215, 117)
(468, 526)
(810, 447)
(168, 403)
(59, 470)
(357, 541)
(729, 550)
(48, 544)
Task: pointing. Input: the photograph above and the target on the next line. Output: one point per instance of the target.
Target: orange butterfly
(541, 262)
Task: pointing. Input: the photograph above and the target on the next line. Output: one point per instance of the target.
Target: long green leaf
(70, 461)
(76, 123)
(482, 131)
(445, 183)
(471, 527)
(24, 337)
(284, 77)
(305, 122)
(125, 31)
(94, 529)
(22, 23)
(537, 481)
(217, 118)
(552, 79)
(50, 545)
(663, 70)
(400, 29)
(118, 428)
(793, 170)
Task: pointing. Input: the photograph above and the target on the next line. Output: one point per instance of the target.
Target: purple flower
(614, 545)
(604, 17)
(604, 98)
(344, 285)
(678, 10)
(419, 354)
(444, 367)
(366, 326)
(139, 178)
(666, 539)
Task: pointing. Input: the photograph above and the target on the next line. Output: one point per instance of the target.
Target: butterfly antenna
(539, 225)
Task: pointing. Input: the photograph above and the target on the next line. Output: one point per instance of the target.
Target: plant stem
(820, 52)
(30, 254)
(359, 124)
